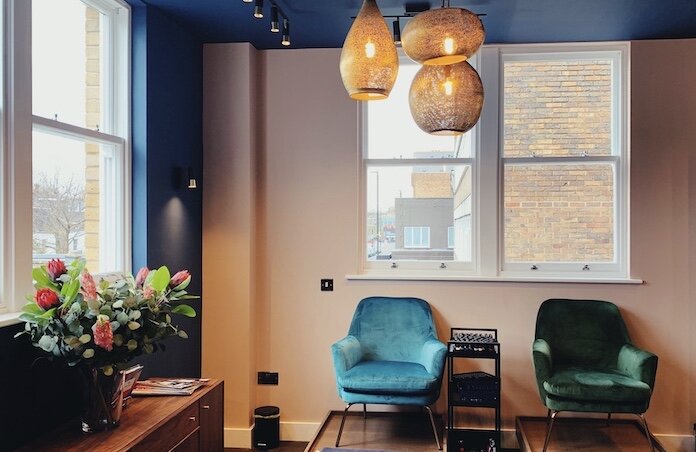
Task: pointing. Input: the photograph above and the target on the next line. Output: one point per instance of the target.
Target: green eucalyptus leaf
(88, 353)
(47, 343)
(135, 315)
(132, 344)
(182, 334)
(85, 338)
(133, 326)
(161, 279)
(122, 318)
(118, 304)
(185, 310)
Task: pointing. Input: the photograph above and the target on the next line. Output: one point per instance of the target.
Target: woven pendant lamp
(446, 100)
(369, 62)
(443, 36)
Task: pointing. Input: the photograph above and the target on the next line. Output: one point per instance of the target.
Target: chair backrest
(392, 329)
(582, 332)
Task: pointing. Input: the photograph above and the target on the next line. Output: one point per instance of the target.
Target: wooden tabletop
(142, 416)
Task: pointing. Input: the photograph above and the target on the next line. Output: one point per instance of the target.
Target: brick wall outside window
(558, 212)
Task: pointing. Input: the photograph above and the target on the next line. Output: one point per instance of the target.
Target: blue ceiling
(324, 23)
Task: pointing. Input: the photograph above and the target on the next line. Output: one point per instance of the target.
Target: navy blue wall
(167, 134)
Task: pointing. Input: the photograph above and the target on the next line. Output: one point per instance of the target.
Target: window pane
(559, 213)
(67, 72)
(557, 107)
(392, 133)
(75, 207)
(410, 208)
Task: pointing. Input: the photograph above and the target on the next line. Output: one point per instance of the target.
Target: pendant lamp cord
(445, 1)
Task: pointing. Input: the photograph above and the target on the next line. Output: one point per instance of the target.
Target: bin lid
(267, 412)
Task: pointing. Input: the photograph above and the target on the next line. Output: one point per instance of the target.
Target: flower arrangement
(103, 325)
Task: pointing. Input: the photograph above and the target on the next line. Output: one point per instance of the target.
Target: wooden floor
(406, 432)
(582, 435)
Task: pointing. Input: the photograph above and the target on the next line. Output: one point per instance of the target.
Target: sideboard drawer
(171, 433)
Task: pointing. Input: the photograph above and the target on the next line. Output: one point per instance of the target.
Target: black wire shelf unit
(473, 389)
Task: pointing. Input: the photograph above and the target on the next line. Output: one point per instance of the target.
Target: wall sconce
(192, 183)
(185, 178)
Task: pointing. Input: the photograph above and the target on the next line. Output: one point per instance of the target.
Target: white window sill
(539, 279)
(8, 319)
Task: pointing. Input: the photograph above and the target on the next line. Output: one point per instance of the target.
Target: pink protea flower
(89, 288)
(148, 292)
(46, 299)
(103, 336)
(55, 268)
(179, 277)
(140, 277)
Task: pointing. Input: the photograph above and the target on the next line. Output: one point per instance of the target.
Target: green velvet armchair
(391, 356)
(585, 362)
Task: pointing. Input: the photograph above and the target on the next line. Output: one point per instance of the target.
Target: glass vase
(103, 400)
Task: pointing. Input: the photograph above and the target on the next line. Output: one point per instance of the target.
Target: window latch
(534, 267)
(442, 265)
(394, 265)
(586, 268)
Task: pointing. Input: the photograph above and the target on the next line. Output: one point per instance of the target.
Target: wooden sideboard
(182, 424)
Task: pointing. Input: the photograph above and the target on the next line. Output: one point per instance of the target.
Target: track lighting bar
(276, 14)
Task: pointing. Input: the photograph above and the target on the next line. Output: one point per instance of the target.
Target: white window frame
(487, 178)
(18, 123)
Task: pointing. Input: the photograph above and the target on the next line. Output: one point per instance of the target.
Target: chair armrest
(346, 353)
(432, 357)
(543, 361)
(638, 364)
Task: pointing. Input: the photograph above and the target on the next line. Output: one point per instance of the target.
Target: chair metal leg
(552, 417)
(364, 411)
(432, 422)
(608, 419)
(647, 431)
(343, 420)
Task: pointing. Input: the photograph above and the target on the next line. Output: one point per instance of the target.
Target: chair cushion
(596, 384)
(388, 377)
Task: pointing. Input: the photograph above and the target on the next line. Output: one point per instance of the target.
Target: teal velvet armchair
(391, 356)
(585, 362)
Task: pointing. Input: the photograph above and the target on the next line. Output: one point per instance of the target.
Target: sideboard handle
(206, 407)
(192, 418)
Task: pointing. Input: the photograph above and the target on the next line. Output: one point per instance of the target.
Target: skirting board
(289, 431)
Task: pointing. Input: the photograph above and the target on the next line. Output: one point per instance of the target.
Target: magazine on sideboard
(168, 386)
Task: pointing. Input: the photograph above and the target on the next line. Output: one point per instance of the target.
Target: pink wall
(296, 221)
